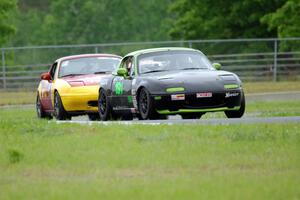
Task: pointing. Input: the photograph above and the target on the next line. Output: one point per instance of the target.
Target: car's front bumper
(81, 98)
(219, 101)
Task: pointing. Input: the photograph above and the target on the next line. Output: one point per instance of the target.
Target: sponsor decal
(233, 94)
(204, 95)
(45, 94)
(176, 97)
(119, 88)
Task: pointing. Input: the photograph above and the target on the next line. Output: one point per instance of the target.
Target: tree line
(54, 22)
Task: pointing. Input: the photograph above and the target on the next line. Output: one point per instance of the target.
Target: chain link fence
(269, 59)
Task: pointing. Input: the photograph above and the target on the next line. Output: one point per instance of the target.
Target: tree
(93, 21)
(222, 18)
(285, 20)
(6, 28)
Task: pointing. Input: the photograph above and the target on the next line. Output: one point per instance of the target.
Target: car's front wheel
(104, 107)
(59, 112)
(39, 110)
(237, 113)
(146, 105)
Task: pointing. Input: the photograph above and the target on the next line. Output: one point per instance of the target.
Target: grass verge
(265, 109)
(42, 160)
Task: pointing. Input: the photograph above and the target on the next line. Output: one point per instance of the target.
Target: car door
(122, 85)
(46, 89)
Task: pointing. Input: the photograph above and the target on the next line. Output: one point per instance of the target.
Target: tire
(104, 107)
(191, 115)
(94, 116)
(59, 111)
(39, 110)
(146, 106)
(237, 113)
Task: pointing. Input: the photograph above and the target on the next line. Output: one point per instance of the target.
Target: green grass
(29, 97)
(17, 98)
(260, 87)
(45, 160)
(265, 109)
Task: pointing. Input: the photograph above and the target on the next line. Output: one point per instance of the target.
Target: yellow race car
(70, 88)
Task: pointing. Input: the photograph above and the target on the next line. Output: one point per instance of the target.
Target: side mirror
(46, 76)
(122, 71)
(217, 66)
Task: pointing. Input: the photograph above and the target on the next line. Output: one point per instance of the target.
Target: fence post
(96, 49)
(3, 69)
(190, 44)
(275, 60)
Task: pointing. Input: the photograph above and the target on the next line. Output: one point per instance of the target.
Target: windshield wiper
(159, 70)
(102, 72)
(71, 75)
(188, 68)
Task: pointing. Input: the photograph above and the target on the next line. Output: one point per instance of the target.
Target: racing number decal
(119, 88)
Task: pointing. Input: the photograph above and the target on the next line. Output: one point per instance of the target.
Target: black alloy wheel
(104, 107)
(146, 105)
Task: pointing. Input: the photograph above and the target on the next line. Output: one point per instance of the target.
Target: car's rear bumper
(189, 102)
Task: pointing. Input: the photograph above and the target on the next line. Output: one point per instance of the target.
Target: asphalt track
(272, 96)
(289, 95)
(220, 121)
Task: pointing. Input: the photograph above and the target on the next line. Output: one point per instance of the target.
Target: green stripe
(231, 86)
(177, 89)
(166, 112)
(157, 97)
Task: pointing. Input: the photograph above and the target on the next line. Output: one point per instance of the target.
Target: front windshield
(88, 65)
(172, 60)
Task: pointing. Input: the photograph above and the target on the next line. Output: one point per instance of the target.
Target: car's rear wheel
(146, 105)
(59, 112)
(191, 115)
(104, 107)
(93, 116)
(39, 110)
(237, 113)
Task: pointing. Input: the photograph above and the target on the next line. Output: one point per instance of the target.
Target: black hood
(192, 80)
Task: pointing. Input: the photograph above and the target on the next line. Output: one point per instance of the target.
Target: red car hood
(84, 80)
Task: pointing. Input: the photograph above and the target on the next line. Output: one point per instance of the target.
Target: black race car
(154, 83)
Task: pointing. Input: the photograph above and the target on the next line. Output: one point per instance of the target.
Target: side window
(132, 71)
(123, 64)
(129, 65)
(52, 70)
